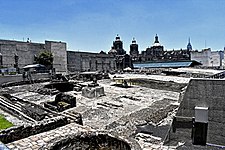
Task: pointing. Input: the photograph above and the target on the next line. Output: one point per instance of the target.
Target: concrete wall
(207, 93)
(84, 61)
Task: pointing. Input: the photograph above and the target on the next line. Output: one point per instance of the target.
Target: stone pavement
(37, 141)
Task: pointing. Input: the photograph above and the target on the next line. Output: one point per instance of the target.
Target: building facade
(85, 61)
(17, 54)
(122, 59)
(208, 58)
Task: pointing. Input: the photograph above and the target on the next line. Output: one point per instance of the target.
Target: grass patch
(4, 124)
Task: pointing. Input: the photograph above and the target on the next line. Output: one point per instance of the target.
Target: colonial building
(156, 53)
(85, 61)
(122, 59)
(117, 48)
(17, 54)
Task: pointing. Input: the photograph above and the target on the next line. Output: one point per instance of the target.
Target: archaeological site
(114, 101)
(151, 109)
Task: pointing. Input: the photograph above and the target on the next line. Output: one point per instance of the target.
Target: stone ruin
(41, 119)
(91, 140)
(62, 102)
(37, 119)
(92, 92)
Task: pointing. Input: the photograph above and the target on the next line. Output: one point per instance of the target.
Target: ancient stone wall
(84, 61)
(19, 132)
(206, 93)
(18, 78)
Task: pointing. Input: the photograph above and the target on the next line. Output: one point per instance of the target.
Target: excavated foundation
(89, 141)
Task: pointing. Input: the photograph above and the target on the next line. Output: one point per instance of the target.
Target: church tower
(134, 53)
(189, 47)
(118, 46)
(134, 48)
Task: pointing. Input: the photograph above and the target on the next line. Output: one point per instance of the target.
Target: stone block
(92, 92)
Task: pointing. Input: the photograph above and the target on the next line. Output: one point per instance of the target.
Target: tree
(45, 58)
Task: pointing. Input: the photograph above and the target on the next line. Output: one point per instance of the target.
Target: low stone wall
(19, 132)
(157, 84)
(92, 140)
(18, 78)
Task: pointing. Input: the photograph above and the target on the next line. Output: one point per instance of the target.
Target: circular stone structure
(88, 141)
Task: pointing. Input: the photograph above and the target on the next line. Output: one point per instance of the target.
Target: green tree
(45, 58)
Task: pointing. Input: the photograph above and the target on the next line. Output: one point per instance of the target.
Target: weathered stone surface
(92, 140)
(69, 98)
(205, 93)
(16, 133)
(91, 92)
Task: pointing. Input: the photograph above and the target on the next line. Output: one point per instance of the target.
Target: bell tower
(134, 48)
(118, 46)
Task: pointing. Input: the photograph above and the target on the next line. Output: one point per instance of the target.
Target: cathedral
(117, 48)
(156, 53)
(122, 59)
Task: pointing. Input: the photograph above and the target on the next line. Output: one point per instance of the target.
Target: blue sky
(91, 25)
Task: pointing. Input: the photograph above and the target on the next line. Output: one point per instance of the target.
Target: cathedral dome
(112, 51)
(156, 43)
